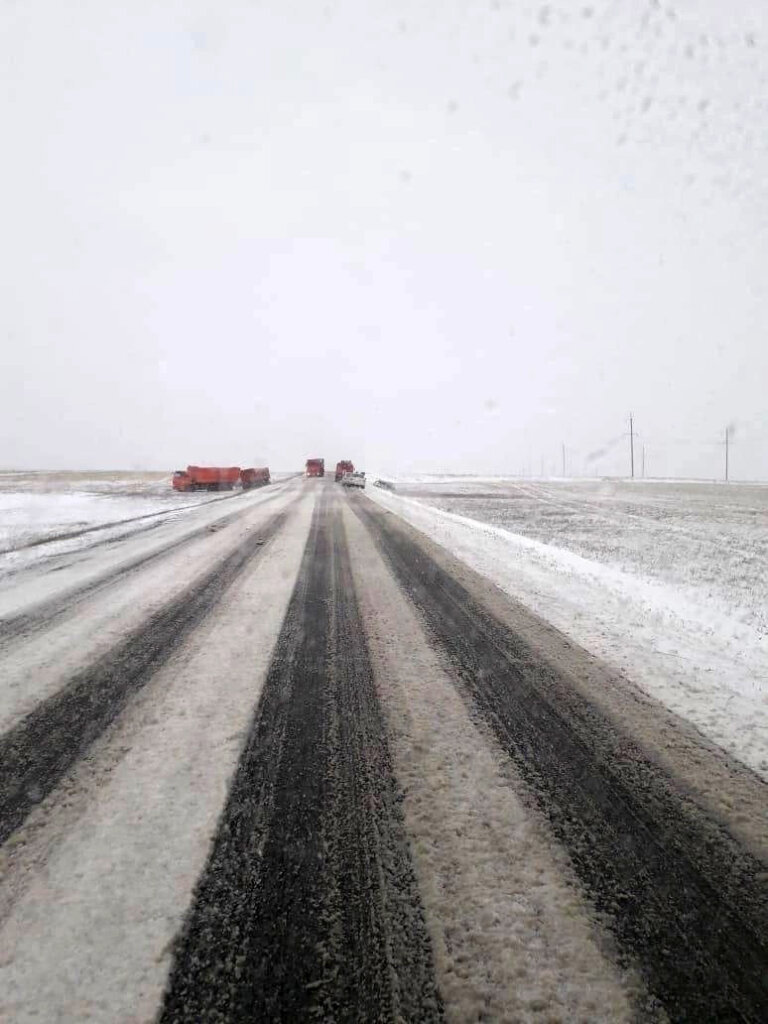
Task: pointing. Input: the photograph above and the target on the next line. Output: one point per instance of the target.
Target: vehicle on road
(386, 485)
(345, 466)
(206, 478)
(353, 480)
(254, 477)
(315, 467)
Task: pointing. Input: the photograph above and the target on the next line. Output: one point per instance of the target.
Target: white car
(353, 480)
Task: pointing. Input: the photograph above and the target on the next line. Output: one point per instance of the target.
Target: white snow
(108, 871)
(47, 514)
(514, 938)
(668, 582)
(28, 517)
(35, 666)
(40, 523)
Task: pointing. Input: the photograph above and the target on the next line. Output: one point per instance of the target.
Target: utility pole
(643, 462)
(563, 458)
(726, 453)
(632, 446)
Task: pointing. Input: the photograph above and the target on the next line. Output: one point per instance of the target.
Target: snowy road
(285, 757)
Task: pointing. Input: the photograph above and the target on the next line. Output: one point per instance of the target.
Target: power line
(631, 446)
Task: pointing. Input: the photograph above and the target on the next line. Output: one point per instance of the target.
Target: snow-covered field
(41, 506)
(120, 482)
(45, 513)
(667, 581)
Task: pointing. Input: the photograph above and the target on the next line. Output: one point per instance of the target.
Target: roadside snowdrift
(705, 659)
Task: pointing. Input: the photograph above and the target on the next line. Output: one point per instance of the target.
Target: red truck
(345, 466)
(206, 478)
(315, 467)
(254, 478)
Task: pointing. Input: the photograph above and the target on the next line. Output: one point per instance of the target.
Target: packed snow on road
(283, 751)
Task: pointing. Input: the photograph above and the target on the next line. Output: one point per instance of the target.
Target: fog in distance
(440, 236)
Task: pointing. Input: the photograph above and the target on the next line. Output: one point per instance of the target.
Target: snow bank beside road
(37, 508)
(709, 540)
(31, 517)
(695, 655)
(39, 522)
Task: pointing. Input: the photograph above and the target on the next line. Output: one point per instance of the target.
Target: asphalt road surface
(284, 758)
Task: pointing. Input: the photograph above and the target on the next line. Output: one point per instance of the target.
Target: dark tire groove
(46, 612)
(686, 902)
(308, 907)
(36, 753)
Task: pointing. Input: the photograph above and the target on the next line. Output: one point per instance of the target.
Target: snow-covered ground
(667, 581)
(43, 515)
(136, 482)
(109, 870)
(40, 506)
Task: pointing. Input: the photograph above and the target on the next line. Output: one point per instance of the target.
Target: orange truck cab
(206, 478)
(254, 477)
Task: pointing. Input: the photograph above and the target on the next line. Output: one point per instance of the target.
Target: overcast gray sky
(427, 235)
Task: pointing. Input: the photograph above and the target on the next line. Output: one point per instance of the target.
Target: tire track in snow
(684, 898)
(96, 883)
(36, 753)
(169, 513)
(309, 906)
(43, 614)
(514, 938)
